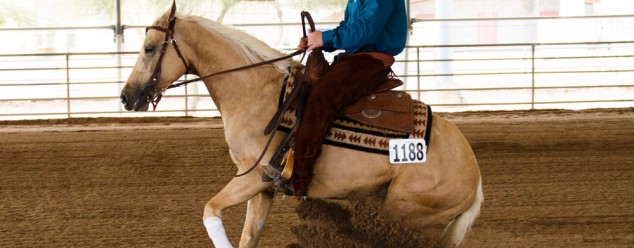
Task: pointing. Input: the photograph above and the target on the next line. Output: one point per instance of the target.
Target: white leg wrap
(216, 232)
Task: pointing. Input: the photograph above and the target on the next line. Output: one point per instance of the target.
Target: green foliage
(165, 4)
(14, 13)
(331, 5)
(104, 9)
(30, 13)
(317, 5)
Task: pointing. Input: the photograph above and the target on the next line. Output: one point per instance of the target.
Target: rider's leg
(352, 78)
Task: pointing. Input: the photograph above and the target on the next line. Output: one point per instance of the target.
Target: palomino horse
(444, 191)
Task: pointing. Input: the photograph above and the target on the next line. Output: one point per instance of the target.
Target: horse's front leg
(257, 211)
(238, 190)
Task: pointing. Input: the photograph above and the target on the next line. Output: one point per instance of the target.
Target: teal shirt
(370, 26)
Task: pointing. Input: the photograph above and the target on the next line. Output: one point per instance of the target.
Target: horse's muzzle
(124, 99)
(134, 104)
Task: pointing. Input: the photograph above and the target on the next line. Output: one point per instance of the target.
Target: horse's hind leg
(443, 193)
(417, 202)
(425, 200)
(257, 211)
(460, 226)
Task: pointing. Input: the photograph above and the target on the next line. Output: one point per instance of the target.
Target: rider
(372, 32)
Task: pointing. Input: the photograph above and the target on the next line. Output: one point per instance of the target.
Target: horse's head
(160, 63)
(192, 44)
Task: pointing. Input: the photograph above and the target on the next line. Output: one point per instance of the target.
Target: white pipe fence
(483, 77)
(454, 77)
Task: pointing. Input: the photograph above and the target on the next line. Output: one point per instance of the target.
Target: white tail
(458, 228)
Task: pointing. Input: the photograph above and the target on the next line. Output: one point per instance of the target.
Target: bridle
(152, 85)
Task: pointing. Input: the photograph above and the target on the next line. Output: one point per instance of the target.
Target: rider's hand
(315, 40)
(303, 44)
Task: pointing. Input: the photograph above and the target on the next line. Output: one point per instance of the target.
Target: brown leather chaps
(354, 76)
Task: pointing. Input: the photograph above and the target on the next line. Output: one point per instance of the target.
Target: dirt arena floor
(551, 179)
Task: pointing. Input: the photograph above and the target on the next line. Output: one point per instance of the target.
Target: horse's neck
(246, 96)
(246, 102)
(246, 99)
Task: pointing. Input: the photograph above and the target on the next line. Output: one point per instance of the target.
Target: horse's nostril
(124, 99)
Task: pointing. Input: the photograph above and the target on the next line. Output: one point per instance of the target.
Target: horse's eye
(149, 49)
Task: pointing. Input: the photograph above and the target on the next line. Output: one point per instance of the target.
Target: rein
(275, 122)
(152, 85)
(179, 84)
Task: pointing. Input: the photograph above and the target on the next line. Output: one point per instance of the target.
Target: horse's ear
(173, 11)
(167, 17)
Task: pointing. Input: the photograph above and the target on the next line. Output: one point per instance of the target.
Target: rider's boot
(274, 173)
(271, 173)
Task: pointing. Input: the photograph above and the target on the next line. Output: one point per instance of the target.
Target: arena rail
(585, 65)
(414, 67)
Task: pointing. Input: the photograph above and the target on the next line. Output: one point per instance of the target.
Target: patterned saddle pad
(352, 134)
(352, 130)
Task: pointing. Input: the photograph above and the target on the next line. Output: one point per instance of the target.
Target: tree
(317, 5)
(19, 15)
(226, 5)
(277, 4)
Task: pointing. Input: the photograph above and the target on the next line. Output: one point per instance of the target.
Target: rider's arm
(363, 22)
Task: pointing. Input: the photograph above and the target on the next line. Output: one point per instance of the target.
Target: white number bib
(408, 151)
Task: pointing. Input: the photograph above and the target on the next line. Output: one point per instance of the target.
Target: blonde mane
(251, 49)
